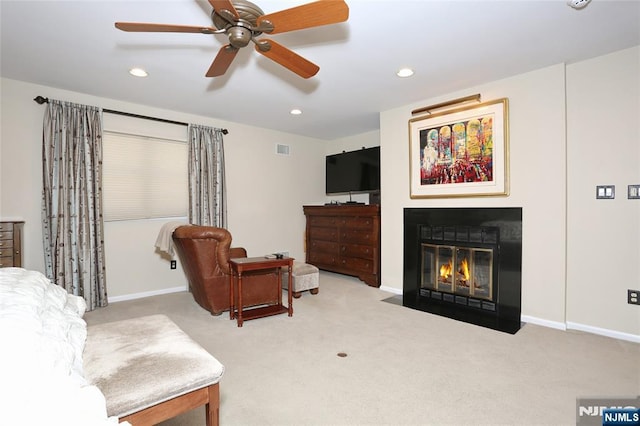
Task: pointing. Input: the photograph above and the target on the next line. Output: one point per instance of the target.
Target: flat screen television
(354, 171)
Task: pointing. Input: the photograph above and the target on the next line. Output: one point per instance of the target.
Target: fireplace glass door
(465, 271)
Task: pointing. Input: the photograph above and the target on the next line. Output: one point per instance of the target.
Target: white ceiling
(452, 45)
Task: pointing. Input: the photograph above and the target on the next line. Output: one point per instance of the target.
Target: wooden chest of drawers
(345, 239)
(11, 244)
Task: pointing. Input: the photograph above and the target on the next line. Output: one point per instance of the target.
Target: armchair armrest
(235, 252)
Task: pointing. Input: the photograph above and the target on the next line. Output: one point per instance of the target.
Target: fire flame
(464, 269)
(445, 270)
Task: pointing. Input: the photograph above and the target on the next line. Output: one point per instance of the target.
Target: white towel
(164, 242)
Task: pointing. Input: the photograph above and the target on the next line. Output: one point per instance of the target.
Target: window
(144, 177)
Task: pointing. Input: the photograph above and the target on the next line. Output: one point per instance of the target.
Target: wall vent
(282, 149)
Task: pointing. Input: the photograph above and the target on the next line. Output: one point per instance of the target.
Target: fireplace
(465, 264)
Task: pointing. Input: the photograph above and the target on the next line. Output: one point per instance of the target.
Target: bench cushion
(141, 362)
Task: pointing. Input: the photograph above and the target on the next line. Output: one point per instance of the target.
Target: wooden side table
(241, 264)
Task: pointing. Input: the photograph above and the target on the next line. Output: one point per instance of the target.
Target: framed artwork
(461, 152)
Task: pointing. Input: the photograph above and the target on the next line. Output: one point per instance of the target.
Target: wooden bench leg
(213, 406)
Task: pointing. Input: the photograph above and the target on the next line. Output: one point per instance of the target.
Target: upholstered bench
(149, 370)
(305, 277)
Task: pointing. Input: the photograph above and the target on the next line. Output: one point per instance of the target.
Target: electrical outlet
(174, 265)
(633, 297)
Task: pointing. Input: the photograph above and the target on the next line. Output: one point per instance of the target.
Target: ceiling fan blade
(219, 5)
(288, 59)
(315, 14)
(163, 28)
(222, 61)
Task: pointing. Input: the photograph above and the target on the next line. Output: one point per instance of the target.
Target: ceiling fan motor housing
(240, 31)
(248, 13)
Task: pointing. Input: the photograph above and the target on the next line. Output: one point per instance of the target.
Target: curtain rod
(42, 100)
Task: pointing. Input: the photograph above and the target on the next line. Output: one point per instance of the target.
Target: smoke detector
(578, 4)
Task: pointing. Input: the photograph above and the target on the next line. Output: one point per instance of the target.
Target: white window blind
(144, 177)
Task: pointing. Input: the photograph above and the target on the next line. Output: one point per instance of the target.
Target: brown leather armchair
(204, 252)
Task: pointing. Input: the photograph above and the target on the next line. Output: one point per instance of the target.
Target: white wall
(352, 143)
(603, 252)
(266, 191)
(537, 182)
(559, 289)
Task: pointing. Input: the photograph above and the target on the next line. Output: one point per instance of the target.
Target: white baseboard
(604, 332)
(543, 322)
(581, 327)
(145, 294)
(391, 289)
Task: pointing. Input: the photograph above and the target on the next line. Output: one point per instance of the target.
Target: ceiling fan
(243, 21)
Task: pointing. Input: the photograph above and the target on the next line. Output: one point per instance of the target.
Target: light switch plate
(606, 192)
(633, 192)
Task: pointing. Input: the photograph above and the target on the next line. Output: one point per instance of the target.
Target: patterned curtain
(207, 192)
(72, 200)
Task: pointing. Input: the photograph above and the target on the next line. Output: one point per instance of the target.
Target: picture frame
(460, 152)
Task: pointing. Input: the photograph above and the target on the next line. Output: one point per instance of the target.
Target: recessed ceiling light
(295, 111)
(404, 72)
(138, 72)
(578, 4)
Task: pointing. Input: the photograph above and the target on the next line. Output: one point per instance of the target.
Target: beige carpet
(403, 367)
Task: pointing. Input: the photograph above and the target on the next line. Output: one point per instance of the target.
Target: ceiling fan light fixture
(138, 72)
(404, 72)
(239, 37)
